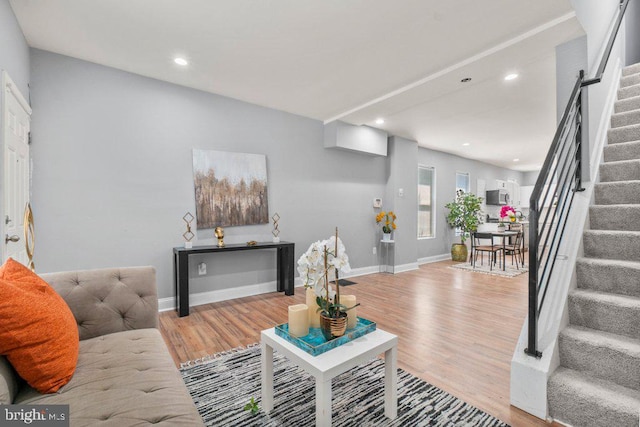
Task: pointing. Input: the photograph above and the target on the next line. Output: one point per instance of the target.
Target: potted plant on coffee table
(465, 214)
(324, 259)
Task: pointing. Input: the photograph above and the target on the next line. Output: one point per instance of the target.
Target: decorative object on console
(219, 233)
(389, 219)
(188, 235)
(465, 214)
(29, 236)
(230, 188)
(275, 231)
(252, 243)
(315, 266)
(298, 320)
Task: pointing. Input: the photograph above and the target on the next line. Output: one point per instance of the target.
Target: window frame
(468, 190)
(433, 202)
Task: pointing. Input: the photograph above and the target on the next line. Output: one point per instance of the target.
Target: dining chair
(514, 248)
(519, 227)
(479, 246)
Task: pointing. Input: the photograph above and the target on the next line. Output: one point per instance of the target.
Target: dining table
(504, 235)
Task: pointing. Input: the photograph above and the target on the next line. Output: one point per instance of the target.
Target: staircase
(598, 381)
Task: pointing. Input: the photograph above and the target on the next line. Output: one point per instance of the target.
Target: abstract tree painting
(230, 188)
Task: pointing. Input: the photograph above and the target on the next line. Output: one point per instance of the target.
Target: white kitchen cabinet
(501, 185)
(513, 188)
(525, 195)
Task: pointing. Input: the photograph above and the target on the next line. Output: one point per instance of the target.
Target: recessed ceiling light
(465, 80)
(379, 121)
(466, 144)
(511, 76)
(181, 61)
(516, 160)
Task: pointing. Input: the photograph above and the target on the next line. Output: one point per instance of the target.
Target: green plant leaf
(252, 406)
(465, 213)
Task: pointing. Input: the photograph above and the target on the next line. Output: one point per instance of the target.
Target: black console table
(181, 267)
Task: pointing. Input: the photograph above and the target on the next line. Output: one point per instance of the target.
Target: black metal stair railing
(552, 197)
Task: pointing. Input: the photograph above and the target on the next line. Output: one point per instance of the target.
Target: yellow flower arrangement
(389, 219)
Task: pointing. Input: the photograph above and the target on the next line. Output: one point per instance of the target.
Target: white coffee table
(330, 364)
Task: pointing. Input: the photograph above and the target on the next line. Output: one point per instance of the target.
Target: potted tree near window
(465, 214)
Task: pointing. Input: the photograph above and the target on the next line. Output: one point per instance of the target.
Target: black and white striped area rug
(222, 384)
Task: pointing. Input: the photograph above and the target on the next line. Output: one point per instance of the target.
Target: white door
(16, 115)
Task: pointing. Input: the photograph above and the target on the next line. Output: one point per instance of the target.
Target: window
(426, 216)
(462, 181)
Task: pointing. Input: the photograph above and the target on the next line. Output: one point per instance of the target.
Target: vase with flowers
(318, 266)
(507, 213)
(389, 224)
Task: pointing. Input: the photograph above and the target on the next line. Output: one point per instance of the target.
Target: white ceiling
(353, 60)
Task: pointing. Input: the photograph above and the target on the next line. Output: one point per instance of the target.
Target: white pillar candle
(314, 314)
(352, 315)
(298, 320)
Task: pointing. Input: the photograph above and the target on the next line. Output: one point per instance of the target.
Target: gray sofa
(125, 375)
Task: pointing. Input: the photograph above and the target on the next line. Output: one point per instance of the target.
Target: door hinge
(7, 220)
(29, 139)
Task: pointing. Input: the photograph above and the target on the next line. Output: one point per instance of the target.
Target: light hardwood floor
(457, 329)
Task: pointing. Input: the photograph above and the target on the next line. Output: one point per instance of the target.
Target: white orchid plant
(316, 265)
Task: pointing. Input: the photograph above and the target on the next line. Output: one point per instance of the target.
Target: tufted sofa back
(110, 300)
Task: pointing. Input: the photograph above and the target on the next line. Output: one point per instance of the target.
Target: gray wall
(112, 174)
(529, 178)
(402, 172)
(571, 57)
(14, 59)
(446, 165)
(14, 52)
(596, 17)
(632, 29)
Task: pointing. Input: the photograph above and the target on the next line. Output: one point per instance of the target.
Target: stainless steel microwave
(497, 197)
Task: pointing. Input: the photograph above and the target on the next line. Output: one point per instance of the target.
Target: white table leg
(391, 383)
(266, 356)
(323, 403)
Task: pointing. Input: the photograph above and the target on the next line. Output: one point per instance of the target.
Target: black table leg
(280, 269)
(182, 291)
(288, 285)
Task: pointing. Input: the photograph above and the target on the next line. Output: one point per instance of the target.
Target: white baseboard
(362, 271)
(435, 258)
(166, 304)
(404, 267)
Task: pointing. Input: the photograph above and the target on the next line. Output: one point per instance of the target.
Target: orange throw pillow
(38, 332)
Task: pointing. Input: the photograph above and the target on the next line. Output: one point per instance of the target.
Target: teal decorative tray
(314, 343)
